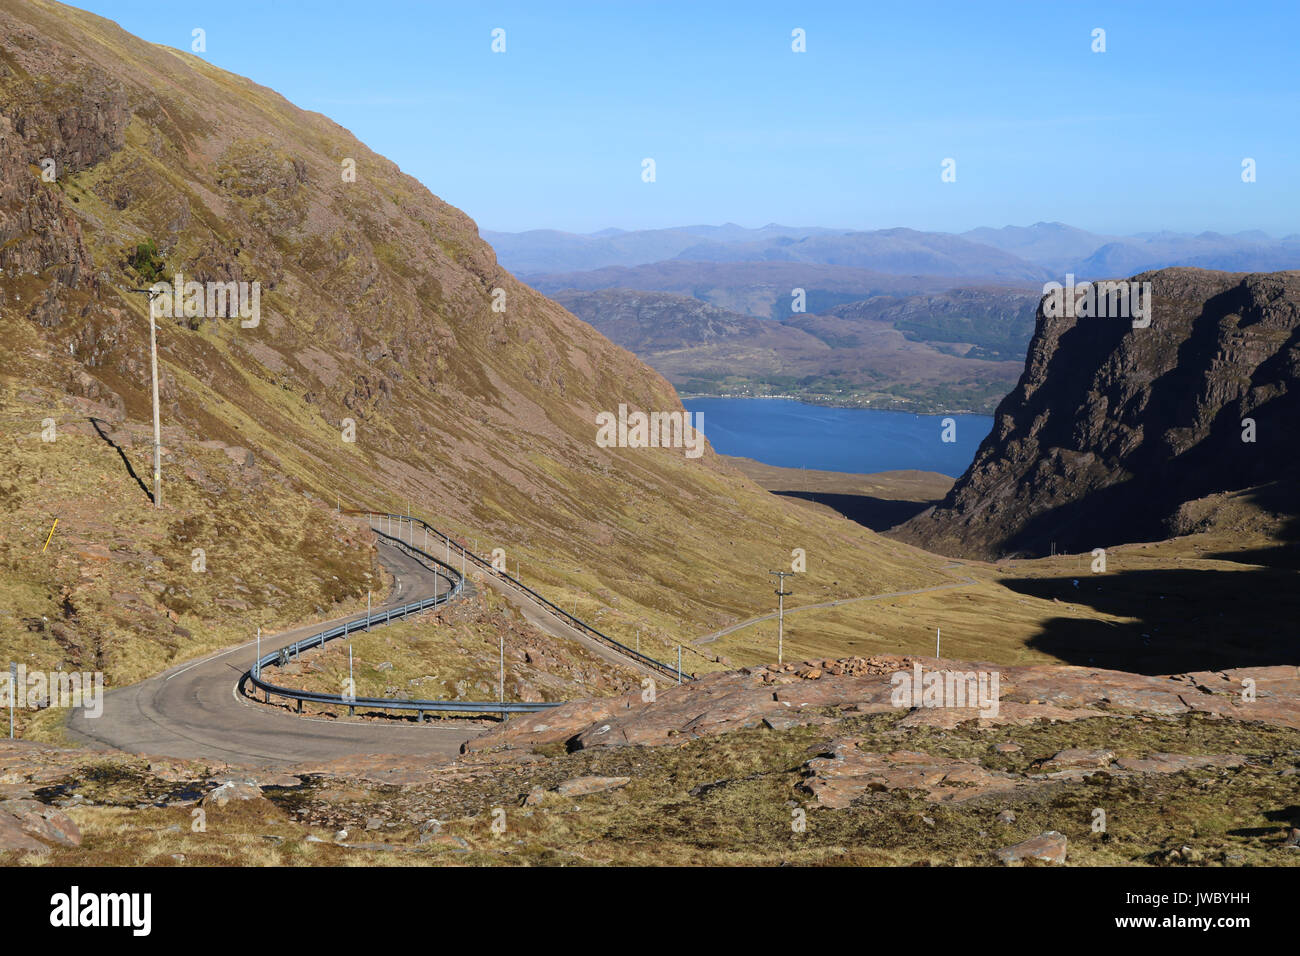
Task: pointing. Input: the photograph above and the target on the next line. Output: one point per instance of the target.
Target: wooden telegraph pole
(157, 428)
(781, 595)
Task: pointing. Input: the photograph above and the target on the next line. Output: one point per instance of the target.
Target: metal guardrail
(577, 624)
(253, 677)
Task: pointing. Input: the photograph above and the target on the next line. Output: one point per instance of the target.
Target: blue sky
(1149, 135)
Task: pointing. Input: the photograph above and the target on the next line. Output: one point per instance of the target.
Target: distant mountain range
(761, 289)
(1061, 248)
(928, 321)
(1014, 253)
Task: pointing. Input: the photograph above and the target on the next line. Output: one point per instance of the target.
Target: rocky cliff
(1116, 433)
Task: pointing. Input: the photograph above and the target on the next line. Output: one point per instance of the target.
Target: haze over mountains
(1036, 253)
(891, 318)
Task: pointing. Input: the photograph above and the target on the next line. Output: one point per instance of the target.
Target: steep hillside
(647, 322)
(950, 352)
(993, 324)
(377, 312)
(1118, 434)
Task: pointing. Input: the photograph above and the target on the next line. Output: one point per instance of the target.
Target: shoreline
(826, 401)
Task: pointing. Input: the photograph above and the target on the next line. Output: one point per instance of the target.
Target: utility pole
(781, 594)
(157, 428)
(501, 679)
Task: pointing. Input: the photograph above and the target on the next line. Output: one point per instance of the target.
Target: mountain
(990, 323)
(1061, 249)
(1117, 434)
(1053, 245)
(647, 322)
(1209, 250)
(384, 318)
(897, 251)
(550, 250)
(953, 351)
(1009, 255)
(763, 289)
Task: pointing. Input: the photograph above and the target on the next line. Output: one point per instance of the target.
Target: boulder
(1073, 758)
(1047, 847)
(42, 822)
(232, 790)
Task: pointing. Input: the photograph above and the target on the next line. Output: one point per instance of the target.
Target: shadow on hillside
(1171, 465)
(878, 514)
(1184, 620)
(95, 423)
(1281, 497)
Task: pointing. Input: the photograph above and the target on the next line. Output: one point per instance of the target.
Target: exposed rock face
(31, 826)
(1113, 429)
(1050, 847)
(847, 774)
(792, 696)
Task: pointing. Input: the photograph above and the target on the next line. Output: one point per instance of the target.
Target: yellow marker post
(51, 535)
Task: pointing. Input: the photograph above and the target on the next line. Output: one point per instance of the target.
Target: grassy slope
(483, 420)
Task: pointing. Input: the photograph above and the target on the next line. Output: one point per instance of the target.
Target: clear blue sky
(551, 134)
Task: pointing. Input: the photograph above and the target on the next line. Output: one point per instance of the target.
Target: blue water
(783, 432)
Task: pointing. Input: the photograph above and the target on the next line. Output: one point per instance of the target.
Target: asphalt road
(194, 711)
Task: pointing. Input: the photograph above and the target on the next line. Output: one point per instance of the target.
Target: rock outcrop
(1114, 430)
(803, 694)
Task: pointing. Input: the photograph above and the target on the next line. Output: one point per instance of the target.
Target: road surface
(194, 711)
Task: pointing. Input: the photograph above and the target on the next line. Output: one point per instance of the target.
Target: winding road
(194, 711)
